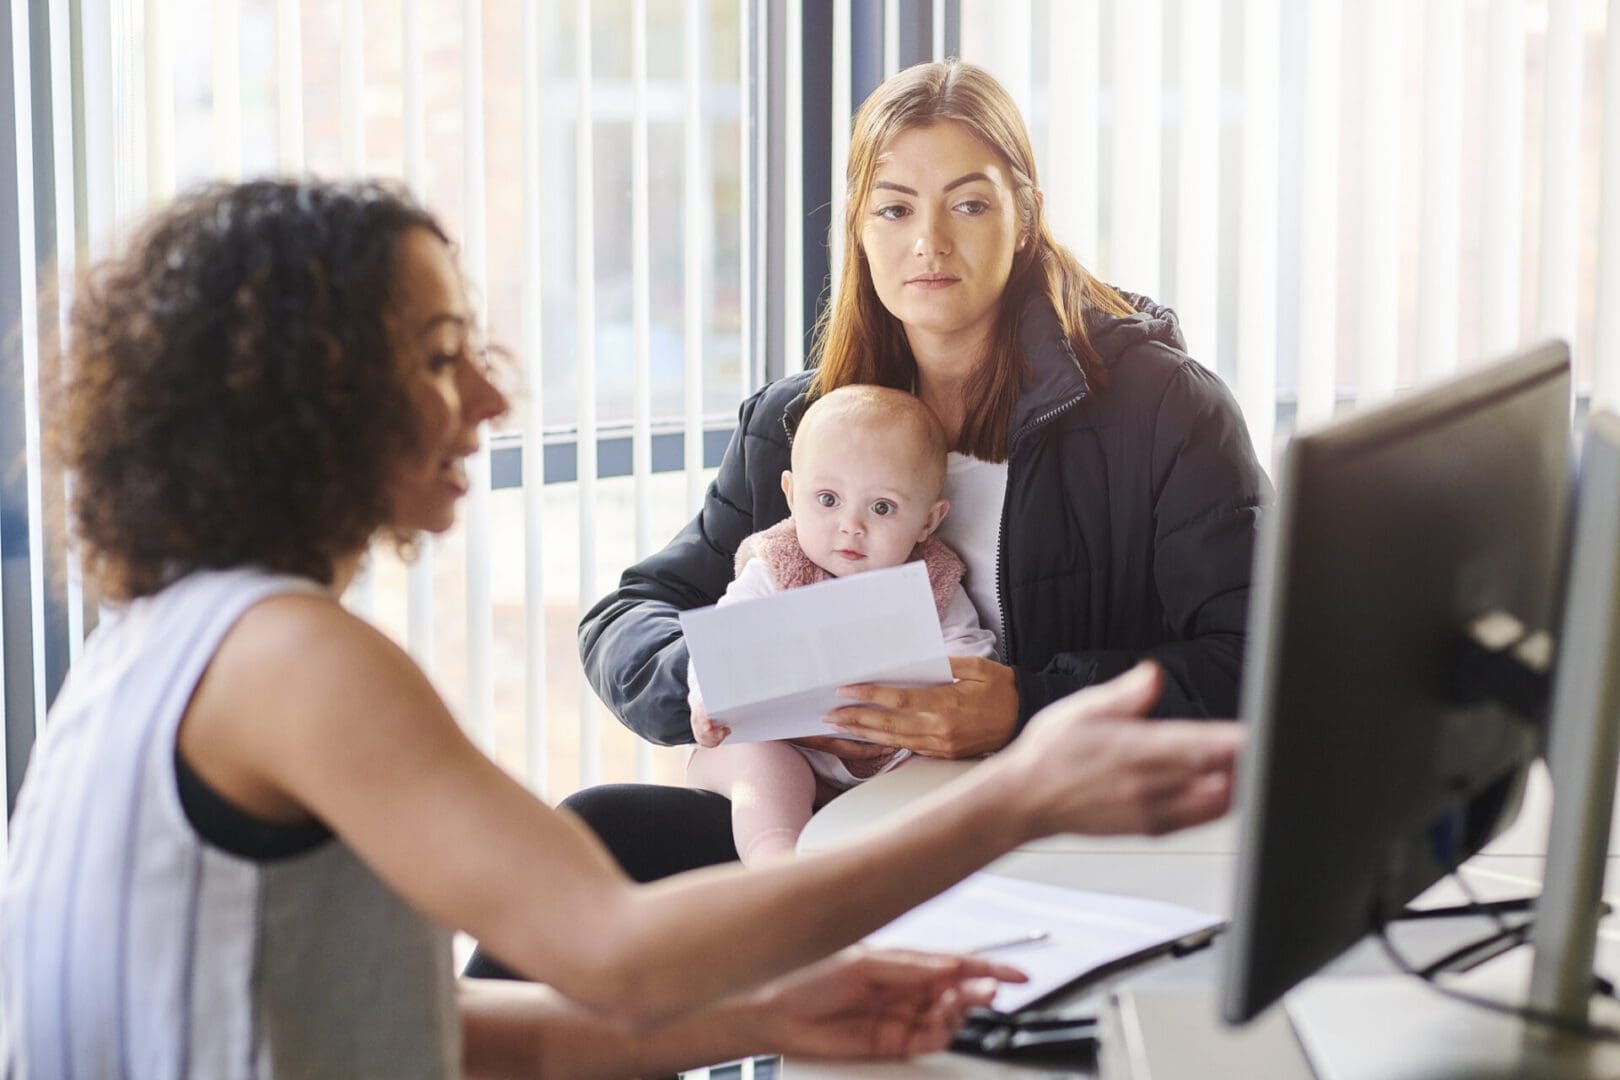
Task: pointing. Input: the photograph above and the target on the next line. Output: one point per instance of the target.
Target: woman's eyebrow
(966, 178)
(458, 321)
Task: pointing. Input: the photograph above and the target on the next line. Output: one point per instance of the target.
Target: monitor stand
(1389, 1028)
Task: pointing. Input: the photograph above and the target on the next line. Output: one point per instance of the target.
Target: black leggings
(652, 830)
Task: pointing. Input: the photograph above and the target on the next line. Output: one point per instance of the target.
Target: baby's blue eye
(883, 508)
(827, 499)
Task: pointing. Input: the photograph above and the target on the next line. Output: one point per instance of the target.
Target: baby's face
(862, 497)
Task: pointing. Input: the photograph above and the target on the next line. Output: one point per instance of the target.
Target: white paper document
(1054, 935)
(770, 668)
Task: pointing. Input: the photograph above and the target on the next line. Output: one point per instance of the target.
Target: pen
(1030, 938)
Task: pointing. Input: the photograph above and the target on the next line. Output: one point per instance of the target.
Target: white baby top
(972, 529)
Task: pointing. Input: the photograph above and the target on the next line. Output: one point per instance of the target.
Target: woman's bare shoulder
(295, 637)
(294, 661)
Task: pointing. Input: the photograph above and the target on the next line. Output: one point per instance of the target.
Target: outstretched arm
(353, 734)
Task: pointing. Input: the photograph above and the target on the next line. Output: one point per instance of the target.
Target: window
(1339, 199)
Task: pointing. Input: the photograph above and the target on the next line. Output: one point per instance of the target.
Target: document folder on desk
(1080, 933)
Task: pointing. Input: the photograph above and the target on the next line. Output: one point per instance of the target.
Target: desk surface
(1194, 867)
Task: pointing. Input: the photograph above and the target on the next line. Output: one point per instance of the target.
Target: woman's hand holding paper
(976, 714)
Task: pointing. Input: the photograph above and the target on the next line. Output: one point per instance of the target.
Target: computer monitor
(1373, 768)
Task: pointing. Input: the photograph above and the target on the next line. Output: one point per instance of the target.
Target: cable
(1600, 985)
(1480, 907)
(1520, 1012)
(1518, 905)
(1478, 952)
(1465, 958)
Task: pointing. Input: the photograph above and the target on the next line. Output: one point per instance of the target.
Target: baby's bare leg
(771, 789)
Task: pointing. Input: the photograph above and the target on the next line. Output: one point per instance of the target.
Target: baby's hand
(706, 731)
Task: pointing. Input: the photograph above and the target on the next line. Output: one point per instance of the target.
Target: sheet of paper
(1084, 930)
(770, 668)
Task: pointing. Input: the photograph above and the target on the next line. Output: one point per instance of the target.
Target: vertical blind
(1342, 200)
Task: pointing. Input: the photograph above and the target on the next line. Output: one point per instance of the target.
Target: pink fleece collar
(778, 548)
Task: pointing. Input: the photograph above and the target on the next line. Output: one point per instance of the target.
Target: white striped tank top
(131, 948)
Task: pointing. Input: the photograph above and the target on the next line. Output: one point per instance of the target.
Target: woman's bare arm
(861, 1003)
(321, 710)
(518, 1029)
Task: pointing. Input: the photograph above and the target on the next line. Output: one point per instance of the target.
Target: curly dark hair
(229, 393)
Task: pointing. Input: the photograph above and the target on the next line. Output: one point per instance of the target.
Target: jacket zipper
(1001, 582)
(1007, 652)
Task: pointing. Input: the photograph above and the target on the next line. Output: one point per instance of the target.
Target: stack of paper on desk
(770, 668)
(1083, 931)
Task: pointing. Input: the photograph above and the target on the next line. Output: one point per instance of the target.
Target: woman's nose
(481, 400)
(931, 239)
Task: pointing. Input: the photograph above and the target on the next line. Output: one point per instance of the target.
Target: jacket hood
(1115, 335)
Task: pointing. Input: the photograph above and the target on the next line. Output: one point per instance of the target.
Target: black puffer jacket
(1127, 532)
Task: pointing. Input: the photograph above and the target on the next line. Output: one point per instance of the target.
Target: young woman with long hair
(1104, 492)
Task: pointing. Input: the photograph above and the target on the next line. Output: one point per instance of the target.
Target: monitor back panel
(1364, 780)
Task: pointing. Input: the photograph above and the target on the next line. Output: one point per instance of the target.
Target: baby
(863, 494)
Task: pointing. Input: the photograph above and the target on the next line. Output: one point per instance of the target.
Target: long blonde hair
(857, 339)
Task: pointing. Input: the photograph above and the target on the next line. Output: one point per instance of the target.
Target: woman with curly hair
(250, 823)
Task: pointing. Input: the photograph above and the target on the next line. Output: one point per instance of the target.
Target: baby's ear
(787, 486)
(935, 516)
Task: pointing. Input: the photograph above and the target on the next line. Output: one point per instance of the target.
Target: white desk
(1194, 867)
